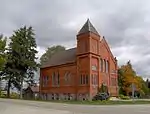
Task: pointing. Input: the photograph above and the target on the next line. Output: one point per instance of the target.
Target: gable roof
(108, 48)
(34, 89)
(63, 57)
(88, 27)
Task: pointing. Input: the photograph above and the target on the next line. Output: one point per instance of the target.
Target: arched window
(55, 79)
(58, 78)
(67, 78)
(87, 79)
(107, 66)
(92, 79)
(96, 79)
(45, 80)
(84, 81)
(104, 69)
(81, 79)
(101, 65)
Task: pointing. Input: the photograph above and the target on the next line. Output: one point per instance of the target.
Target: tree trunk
(8, 88)
(21, 88)
(0, 85)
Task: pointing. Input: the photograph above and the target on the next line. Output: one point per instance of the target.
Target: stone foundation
(65, 96)
(83, 96)
(56, 96)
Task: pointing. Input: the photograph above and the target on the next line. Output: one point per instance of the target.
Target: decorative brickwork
(77, 73)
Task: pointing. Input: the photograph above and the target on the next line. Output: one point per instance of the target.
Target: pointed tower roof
(88, 27)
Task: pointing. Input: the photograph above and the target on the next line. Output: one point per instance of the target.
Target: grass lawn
(103, 102)
(109, 102)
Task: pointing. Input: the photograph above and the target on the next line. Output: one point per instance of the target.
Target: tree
(21, 62)
(103, 89)
(148, 83)
(2, 56)
(2, 52)
(126, 77)
(121, 81)
(50, 52)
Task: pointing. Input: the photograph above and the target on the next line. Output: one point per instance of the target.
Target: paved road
(34, 107)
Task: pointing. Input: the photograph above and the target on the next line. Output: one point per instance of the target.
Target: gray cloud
(124, 23)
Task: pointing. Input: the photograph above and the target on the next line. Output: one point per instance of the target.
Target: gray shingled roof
(88, 27)
(63, 57)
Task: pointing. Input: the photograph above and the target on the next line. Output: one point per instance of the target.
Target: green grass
(102, 102)
(126, 102)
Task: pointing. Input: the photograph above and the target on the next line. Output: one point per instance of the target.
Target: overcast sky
(124, 23)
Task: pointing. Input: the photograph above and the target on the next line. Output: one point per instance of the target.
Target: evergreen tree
(21, 62)
(2, 52)
(2, 56)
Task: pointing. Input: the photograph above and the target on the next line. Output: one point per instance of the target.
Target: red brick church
(78, 72)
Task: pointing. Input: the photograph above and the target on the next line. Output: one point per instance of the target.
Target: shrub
(14, 95)
(3, 94)
(124, 97)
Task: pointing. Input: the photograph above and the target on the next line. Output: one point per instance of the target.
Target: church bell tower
(87, 47)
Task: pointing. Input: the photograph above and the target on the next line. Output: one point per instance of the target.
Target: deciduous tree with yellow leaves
(127, 76)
